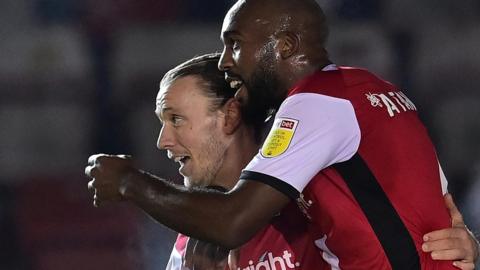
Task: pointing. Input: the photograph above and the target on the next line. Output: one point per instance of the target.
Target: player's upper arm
(311, 132)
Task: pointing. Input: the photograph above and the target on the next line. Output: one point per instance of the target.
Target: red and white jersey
(175, 261)
(350, 148)
(284, 244)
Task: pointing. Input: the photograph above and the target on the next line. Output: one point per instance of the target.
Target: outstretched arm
(227, 219)
(456, 243)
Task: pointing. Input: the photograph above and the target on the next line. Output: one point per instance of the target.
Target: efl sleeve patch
(310, 132)
(279, 138)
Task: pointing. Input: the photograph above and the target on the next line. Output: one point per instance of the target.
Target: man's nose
(226, 61)
(166, 140)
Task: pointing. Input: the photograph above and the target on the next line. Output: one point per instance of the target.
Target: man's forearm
(208, 215)
(226, 219)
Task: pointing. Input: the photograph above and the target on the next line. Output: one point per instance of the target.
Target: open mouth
(178, 158)
(234, 82)
(181, 159)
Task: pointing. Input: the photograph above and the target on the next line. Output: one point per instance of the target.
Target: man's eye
(176, 120)
(235, 45)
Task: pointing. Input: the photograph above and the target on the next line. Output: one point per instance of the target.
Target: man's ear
(288, 44)
(233, 116)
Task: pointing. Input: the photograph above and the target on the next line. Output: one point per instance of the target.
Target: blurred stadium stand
(58, 228)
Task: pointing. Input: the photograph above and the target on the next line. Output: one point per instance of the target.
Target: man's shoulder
(339, 81)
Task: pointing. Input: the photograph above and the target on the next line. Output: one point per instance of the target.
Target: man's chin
(190, 183)
(187, 182)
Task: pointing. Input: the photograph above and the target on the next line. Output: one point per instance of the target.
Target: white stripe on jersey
(175, 261)
(443, 180)
(327, 254)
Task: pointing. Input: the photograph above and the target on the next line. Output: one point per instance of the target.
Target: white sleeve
(175, 260)
(310, 132)
(443, 180)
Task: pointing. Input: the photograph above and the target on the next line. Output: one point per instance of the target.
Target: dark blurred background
(80, 76)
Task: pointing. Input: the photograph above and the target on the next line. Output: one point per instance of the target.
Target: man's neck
(296, 73)
(242, 149)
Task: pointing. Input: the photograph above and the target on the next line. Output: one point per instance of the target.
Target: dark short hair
(213, 85)
(206, 68)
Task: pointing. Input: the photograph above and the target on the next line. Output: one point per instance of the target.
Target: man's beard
(213, 152)
(265, 92)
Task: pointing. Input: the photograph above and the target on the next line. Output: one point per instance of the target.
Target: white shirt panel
(443, 180)
(327, 254)
(326, 132)
(175, 260)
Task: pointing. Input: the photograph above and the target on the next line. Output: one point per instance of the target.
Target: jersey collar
(330, 67)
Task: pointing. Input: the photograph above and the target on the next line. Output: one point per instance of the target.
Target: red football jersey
(284, 244)
(351, 148)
